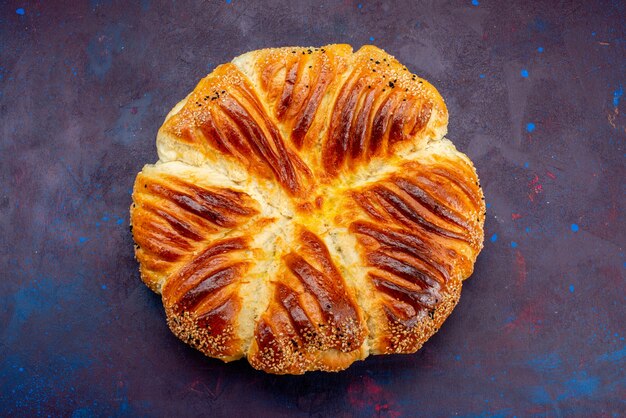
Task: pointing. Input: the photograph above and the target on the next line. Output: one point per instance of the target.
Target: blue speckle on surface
(513, 244)
(571, 288)
(540, 395)
(545, 362)
(530, 126)
(119, 221)
(85, 412)
(617, 95)
(577, 388)
(482, 76)
(593, 34)
(372, 38)
(104, 287)
(105, 218)
(527, 229)
(524, 73)
(540, 25)
(360, 6)
(102, 49)
(457, 357)
(21, 369)
(475, 2)
(574, 227)
(488, 205)
(494, 237)
(82, 240)
(614, 356)
(20, 11)
(526, 165)
(540, 49)
(228, 1)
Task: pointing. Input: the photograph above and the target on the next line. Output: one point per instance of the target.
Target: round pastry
(306, 210)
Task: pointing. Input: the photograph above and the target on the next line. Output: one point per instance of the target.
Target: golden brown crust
(172, 218)
(201, 300)
(419, 231)
(224, 115)
(380, 105)
(294, 82)
(310, 314)
(307, 211)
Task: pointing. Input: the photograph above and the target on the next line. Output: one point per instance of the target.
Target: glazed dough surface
(306, 210)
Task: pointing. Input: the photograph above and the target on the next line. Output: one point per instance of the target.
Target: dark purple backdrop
(535, 94)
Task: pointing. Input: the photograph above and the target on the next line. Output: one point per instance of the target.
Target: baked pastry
(306, 210)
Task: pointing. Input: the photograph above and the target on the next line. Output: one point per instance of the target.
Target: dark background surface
(535, 94)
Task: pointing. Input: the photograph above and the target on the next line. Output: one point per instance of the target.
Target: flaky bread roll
(306, 210)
